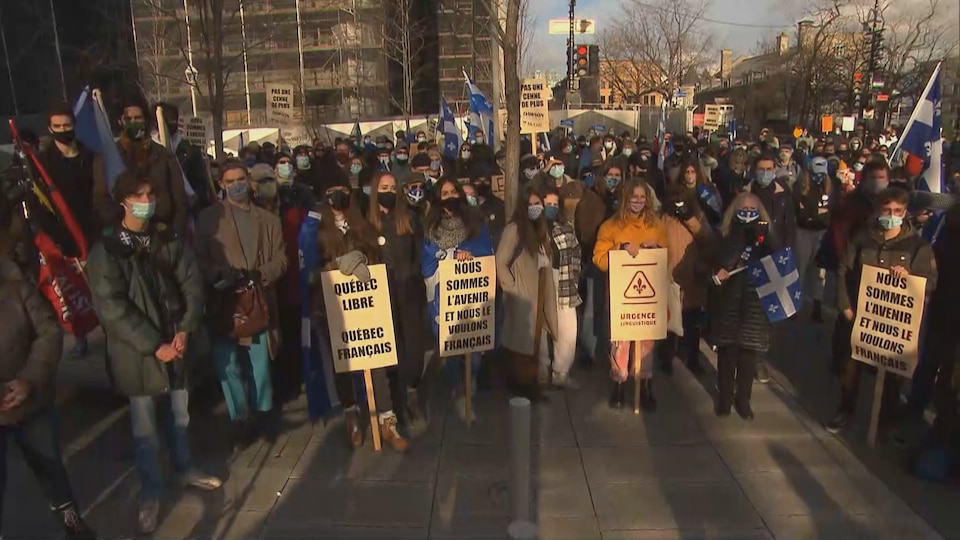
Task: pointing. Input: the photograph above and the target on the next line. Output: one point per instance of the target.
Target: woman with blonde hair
(633, 227)
(741, 330)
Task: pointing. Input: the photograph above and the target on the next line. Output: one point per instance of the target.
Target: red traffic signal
(857, 76)
(582, 50)
(581, 61)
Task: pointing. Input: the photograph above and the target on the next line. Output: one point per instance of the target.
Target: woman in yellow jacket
(633, 227)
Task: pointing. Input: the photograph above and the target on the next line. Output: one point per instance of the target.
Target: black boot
(618, 395)
(647, 400)
(744, 410)
(74, 527)
(722, 407)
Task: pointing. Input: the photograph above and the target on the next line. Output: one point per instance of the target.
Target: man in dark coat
(148, 294)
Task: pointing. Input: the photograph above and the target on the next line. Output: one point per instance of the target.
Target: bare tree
(211, 44)
(528, 34)
(651, 45)
(505, 29)
(404, 40)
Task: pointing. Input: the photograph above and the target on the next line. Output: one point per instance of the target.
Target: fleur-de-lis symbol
(639, 286)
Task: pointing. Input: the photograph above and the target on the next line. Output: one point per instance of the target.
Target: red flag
(61, 279)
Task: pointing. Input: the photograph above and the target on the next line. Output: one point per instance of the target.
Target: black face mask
(483, 189)
(338, 200)
(453, 205)
(173, 128)
(64, 137)
(387, 200)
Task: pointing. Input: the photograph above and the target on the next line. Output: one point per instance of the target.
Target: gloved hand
(682, 211)
(354, 264)
(252, 276)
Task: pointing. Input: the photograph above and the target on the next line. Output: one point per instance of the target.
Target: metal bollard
(521, 527)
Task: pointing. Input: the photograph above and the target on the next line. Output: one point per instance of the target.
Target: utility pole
(571, 45)
(876, 39)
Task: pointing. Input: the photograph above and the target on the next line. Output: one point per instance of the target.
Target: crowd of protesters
(195, 265)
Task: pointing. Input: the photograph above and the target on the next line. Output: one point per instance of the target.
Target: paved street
(678, 473)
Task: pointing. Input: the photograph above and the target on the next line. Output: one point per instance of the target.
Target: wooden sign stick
(875, 408)
(467, 389)
(637, 353)
(372, 405)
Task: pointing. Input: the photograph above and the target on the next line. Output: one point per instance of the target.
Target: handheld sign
(360, 320)
(639, 295)
(467, 293)
(887, 324)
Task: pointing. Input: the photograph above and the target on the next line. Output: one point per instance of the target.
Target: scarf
(449, 233)
(139, 151)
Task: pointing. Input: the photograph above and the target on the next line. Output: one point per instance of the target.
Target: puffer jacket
(736, 314)
(813, 208)
(142, 298)
(31, 341)
(908, 250)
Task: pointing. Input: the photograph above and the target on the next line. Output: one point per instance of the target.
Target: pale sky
(754, 20)
(551, 54)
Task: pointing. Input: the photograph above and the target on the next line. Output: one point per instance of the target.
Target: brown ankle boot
(390, 436)
(351, 419)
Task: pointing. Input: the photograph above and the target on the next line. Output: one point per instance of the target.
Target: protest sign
(280, 108)
(497, 186)
(195, 132)
(534, 110)
(360, 320)
(467, 293)
(639, 295)
(887, 324)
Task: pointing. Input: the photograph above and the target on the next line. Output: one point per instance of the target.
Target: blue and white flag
(93, 131)
(778, 284)
(481, 112)
(664, 147)
(921, 136)
(448, 128)
(543, 142)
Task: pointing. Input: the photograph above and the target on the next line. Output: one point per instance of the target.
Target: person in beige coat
(688, 255)
(238, 245)
(521, 256)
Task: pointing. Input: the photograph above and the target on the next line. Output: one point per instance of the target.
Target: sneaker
(838, 423)
(460, 405)
(198, 480)
(763, 376)
(147, 516)
(565, 381)
(390, 436)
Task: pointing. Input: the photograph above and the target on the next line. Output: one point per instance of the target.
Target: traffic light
(581, 61)
(593, 61)
(857, 91)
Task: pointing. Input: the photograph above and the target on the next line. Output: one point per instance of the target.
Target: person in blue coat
(452, 230)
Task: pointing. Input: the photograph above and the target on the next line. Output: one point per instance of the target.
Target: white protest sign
(534, 110)
(467, 293)
(639, 295)
(280, 108)
(848, 124)
(886, 328)
(360, 320)
(195, 132)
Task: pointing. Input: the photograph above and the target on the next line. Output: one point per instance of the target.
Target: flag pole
(916, 110)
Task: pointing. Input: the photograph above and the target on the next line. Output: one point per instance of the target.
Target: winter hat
(529, 161)
(420, 160)
(819, 165)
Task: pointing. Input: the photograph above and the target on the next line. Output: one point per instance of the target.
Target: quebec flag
(481, 112)
(448, 128)
(921, 137)
(778, 284)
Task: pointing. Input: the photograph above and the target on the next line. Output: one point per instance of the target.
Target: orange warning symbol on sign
(639, 288)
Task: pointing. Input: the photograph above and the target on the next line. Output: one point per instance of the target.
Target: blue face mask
(611, 182)
(141, 210)
(238, 191)
(589, 180)
(765, 178)
(285, 170)
(415, 195)
(534, 212)
(748, 215)
(355, 169)
(890, 222)
(435, 165)
(303, 162)
(472, 200)
(818, 178)
(557, 171)
(551, 212)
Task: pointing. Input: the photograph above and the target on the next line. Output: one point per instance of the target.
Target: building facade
(329, 50)
(466, 46)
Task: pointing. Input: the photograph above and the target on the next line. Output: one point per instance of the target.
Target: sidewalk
(678, 473)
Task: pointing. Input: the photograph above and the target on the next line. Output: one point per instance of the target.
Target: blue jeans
(226, 354)
(146, 440)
